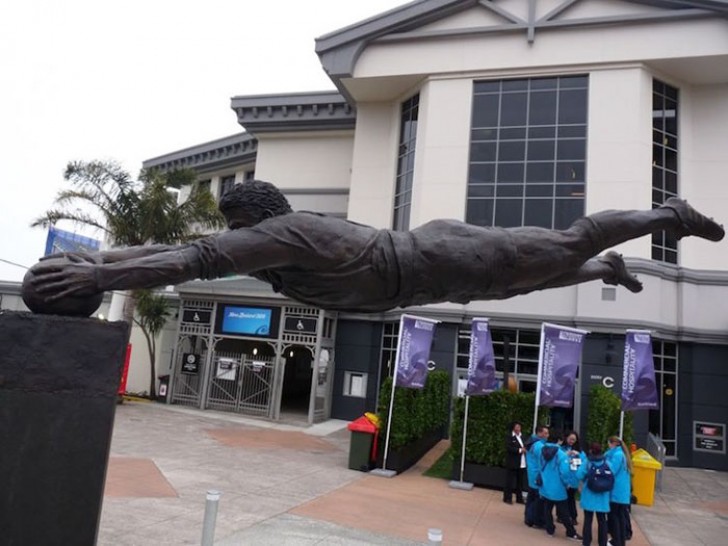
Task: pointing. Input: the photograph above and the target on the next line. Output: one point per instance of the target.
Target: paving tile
(134, 477)
(281, 485)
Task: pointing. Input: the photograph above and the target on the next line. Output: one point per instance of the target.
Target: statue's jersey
(340, 265)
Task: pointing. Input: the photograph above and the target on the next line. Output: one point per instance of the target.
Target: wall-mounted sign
(606, 380)
(298, 325)
(190, 364)
(709, 437)
(226, 368)
(196, 317)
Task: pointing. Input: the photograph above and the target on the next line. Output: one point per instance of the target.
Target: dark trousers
(601, 528)
(571, 504)
(562, 513)
(534, 508)
(617, 522)
(513, 474)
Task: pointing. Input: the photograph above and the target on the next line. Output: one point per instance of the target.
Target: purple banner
(560, 358)
(481, 370)
(413, 350)
(639, 388)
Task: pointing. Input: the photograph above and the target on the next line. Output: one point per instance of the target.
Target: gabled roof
(339, 50)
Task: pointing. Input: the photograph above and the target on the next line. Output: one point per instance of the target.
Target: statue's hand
(91, 257)
(68, 276)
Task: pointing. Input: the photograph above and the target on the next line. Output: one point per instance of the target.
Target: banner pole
(621, 425)
(391, 398)
(538, 380)
(465, 437)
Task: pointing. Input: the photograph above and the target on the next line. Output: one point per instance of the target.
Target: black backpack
(599, 478)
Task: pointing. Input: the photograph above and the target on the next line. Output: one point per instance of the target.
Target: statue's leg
(612, 227)
(549, 258)
(609, 268)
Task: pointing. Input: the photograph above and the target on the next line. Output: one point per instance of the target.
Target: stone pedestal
(58, 388)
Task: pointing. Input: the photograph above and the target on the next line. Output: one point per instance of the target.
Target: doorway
(296, 389)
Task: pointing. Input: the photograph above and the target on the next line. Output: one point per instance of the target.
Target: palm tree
(152, 311)
(134, 212)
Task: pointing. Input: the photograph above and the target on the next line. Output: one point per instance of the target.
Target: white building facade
(502, 113)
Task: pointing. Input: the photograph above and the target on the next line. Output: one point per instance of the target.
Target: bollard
(208, 524)
(434, 537)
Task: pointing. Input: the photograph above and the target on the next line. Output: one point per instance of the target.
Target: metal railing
(657, 449)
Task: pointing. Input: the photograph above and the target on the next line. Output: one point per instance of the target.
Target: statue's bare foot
(694, 223)
(621, 275)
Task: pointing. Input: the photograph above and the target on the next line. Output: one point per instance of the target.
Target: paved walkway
(288, 485)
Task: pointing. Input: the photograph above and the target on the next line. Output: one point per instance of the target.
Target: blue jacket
(590, 500)
(622, 491)
(574, 481)
(533, 457)
(556, 473)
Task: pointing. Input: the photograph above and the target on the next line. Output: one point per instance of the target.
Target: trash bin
(163, 391)
(643, 481)
(363, 447)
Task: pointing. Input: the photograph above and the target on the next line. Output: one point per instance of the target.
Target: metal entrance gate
(241, 383)
(191, 352)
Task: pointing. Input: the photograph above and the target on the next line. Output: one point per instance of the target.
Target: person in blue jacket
(556, 475)
(534, 505)
(571, 447)
(620, 462)
(593, 502)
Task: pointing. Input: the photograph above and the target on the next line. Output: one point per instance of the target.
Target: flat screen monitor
(247, 321)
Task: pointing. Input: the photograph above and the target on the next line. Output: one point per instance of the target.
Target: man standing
(515, 465)
(534, 505)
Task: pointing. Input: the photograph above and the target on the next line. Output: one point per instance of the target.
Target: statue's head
(251, 202)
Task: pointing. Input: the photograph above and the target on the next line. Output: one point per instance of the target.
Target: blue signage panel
(246, 321)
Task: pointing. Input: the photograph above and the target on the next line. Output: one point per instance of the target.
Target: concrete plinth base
(58, 382)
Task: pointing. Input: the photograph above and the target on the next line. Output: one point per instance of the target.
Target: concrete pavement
(284, 484)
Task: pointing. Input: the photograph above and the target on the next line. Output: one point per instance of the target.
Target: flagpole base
(465, 486)
(383, 473)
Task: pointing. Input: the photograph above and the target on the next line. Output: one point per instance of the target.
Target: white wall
(573, 46)
(305, 160)
(442, 151)
(703, 164)
(619, 145)
(374, 164)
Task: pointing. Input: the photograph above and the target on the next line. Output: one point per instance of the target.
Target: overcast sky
(130, 80)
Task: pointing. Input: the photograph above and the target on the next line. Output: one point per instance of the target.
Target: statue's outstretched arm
(240, 251)
(113, 255)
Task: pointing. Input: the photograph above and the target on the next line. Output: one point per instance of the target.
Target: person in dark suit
(515, 464)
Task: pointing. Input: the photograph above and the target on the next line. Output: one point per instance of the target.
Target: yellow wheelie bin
(643, 481)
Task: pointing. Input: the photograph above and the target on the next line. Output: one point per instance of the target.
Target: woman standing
(571, 447)
(594, 496)
(620, 462)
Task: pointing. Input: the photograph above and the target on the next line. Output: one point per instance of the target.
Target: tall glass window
(226, 184)
(388, 351)
(528, 152)
(663, 421)
(664, 162)
(405, 163)
(523, 348)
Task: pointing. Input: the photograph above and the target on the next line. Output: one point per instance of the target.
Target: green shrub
(489, 422)
(416, 412)
(603, 417)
